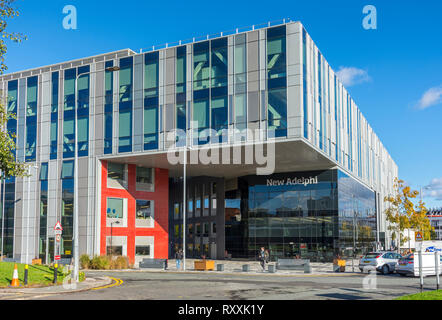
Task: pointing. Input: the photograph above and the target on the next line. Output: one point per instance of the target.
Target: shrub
(100, 263)
(85, 261)
(119, 263)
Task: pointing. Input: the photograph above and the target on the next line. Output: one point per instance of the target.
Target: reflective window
(114, 208)
(151, 74)
(108, 108)
(69, 89)
(151, 127)
(277, 83)
(151, 100)
(67, 210)
(125, 105)
(31, 118)
(144, 175)
(142, 250)
(12, 96)
(181, 70)
(219, 62)
(201, 65)
(144, 210)
(54, 116)
(116, 172)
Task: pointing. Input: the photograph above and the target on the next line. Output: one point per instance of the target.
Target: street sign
(418, 236)
(57, 258)
(58, 237)
(58, 229)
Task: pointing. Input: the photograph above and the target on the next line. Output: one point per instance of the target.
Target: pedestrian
(178, 257)
(262, 258)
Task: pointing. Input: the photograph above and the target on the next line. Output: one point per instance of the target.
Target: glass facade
(67, 208)
(43, 240)
(277, 81)
(151, 100)
(125, 105)
(54, 115)
(301, 214)
(31, 118)
(108, 108)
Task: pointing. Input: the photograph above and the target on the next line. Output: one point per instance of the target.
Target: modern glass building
(323, 197)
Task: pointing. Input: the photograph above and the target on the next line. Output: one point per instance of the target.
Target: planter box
(37, 262)
(339, 265)
(204, 265)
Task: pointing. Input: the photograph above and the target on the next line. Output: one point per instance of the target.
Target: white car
(409, 265)
(384, 262)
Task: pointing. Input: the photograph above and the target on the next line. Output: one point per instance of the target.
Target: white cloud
(431, 97)
(434, 189)
(350, 76)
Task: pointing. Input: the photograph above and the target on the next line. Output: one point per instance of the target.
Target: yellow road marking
(118, 282)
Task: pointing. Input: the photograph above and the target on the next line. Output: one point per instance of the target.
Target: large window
(67, 210)
(151, 100)
(43, 211)
(125, 105)
(144, 175)
(54, 116)
(108, 108)
(115, 208)
(145, 210)
(31, 118)
(116, 175)
(201, 66)
(277, 81)
(181, 69)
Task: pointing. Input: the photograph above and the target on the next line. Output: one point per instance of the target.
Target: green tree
(419, 221)
(400, 209)
(8, 163)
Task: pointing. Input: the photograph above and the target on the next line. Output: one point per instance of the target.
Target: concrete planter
(204, 265)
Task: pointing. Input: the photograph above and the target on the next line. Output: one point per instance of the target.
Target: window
(151, 127)
(219, 62)
(201, 65)
(151, 74)
(142, 250)
(67, 170)
(115, 250)
(114, 208)
(116, 174)
(176, 211)
(277, 81)
(181, 70)
(144, 175)
(144, 210)
(108, 108)
(69, 89)
(198, 229)
(125, 105)
(31, 118)
(206, 229)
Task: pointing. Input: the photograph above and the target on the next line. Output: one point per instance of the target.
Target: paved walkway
(255, 267)
(88, 284)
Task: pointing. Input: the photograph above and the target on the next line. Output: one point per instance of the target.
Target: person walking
(262, 258)
(179, 256)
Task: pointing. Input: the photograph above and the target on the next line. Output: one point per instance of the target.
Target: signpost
(58, 231)
(418, 236)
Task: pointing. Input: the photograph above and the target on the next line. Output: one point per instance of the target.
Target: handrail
(216, 35)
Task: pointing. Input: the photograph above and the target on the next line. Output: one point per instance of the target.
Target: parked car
(409, 265)
(384, 262)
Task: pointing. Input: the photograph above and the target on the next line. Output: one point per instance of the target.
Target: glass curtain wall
(151, 100)
(54, 115)
(108, 107)
(82, 112)
(201, 87)
(277, 81)
(181, 97)
(43, 240)
(67, 208)
(357, 217)
(125, 105)
(31, 118)
(293, 220)
(12, 109)
(240, 88)
(304, 81)
(8, 194)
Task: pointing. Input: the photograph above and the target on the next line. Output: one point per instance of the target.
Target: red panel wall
(160, 197)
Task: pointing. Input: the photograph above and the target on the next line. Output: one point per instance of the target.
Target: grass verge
(429, 295)
(37, 275)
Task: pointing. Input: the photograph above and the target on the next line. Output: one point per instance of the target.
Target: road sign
(58, 229)
(57, 258)
(58, 237)
(418, 236)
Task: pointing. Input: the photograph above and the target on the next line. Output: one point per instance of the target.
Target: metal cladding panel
(138, 103)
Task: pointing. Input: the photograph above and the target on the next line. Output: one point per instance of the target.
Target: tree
(403, 214)
(8, 163)
(399, 210)
(419, 221)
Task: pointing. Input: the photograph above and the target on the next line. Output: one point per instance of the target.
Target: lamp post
(29, 212)
(75, 231)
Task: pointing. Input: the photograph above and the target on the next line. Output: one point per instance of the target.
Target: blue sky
(394, 73)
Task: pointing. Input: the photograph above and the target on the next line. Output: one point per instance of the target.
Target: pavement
(88, 284)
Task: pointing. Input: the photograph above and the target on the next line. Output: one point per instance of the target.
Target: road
(213, 286)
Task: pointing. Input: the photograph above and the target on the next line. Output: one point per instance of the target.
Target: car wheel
(385, 269)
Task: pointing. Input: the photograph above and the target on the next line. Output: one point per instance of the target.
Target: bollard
(246, 268)
(55, 273)
(219, 267)
(271, 268)
(26, 275)
(421, 276)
